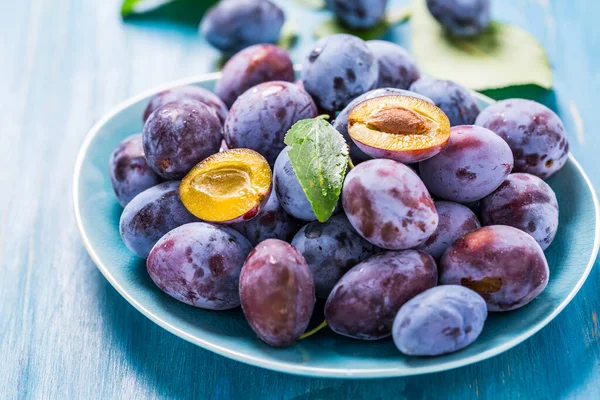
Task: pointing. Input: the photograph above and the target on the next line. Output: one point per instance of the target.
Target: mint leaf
(502, 56)
(319, 156)
(392, 18)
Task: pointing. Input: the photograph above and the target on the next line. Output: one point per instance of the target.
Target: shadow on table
(555, 361)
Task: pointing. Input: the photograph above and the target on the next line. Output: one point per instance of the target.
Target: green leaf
(183, 11)
(319, 156)
(392, 18)
(502, 56)
(316, 4)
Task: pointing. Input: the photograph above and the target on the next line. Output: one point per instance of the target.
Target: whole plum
(187, 92)
(272, 222)
(462, 18)
(358, 14)
(455, 100)
(388, 205)
(251, 66)
(199, 264)
(397, 69)
(341, 121)
(232, 25)
(277, 292)
(505, 265)
(129, 172)
(525, 202)
(472, 165)
(455, 220)
(179, 135)
(363, 304)
(150, 215)
(535, 134)
(440, 320)
(260, 118)
(288, 190)
(337, 69)
(331, 249)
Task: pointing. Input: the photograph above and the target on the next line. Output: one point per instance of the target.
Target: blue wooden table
(66, 333)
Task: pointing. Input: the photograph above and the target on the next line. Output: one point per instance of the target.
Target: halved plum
(227, 187)
(401, 128)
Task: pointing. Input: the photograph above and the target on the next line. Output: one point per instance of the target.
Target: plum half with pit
(388, 205)
(526, 202)
(277, 292)
(227, 187)
(505, 265)
(363, 304)
(535, 134)
(199, 264)
(441, 320)
(401, 128)
(472, 165)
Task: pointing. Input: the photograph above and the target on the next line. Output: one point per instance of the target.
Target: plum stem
(313, 331)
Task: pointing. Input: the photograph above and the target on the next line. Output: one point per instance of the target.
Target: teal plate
(325, 354)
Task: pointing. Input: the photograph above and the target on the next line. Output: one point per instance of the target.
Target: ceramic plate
(325, 354)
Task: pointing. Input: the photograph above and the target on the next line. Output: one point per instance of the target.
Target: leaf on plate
(185, 11)
(392, 18)
(319, 156)
(502, 56)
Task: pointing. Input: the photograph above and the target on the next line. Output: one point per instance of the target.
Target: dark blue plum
(462, 18)
(341, 121)
(358, 14)
(455, 100)
(179, 135)
(260, 118)
(251, 66)
(232, 25)
(272, 222)
(331, 249)
(150, 215)
(129, 172)
(338, 69)
(199, 264)
(397, 69)
(288, 190)
(183, 93)
(441, 320)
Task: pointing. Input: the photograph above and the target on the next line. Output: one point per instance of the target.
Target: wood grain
(66, 333)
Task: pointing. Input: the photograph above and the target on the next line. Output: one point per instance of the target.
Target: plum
(525, 202)
(337, 69)
(388, 205)
(472, 165)
(397, 69)
(288, 189)
(272, 222)
(455, 100)
(535, 134)
(179, 135)
(358, 14)
(251, 66)
(331, 249)
(260, 118)
(183, 93)
(129, 172)
(232, 25)
(363, 304)
(462, 18)
(455, 220)
(441, 320)
(199, 264)
(277, 292)
(505, 265)
(150, 215)
(341, 121)
(401, 128)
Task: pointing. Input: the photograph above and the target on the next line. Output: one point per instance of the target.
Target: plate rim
(285, 367)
